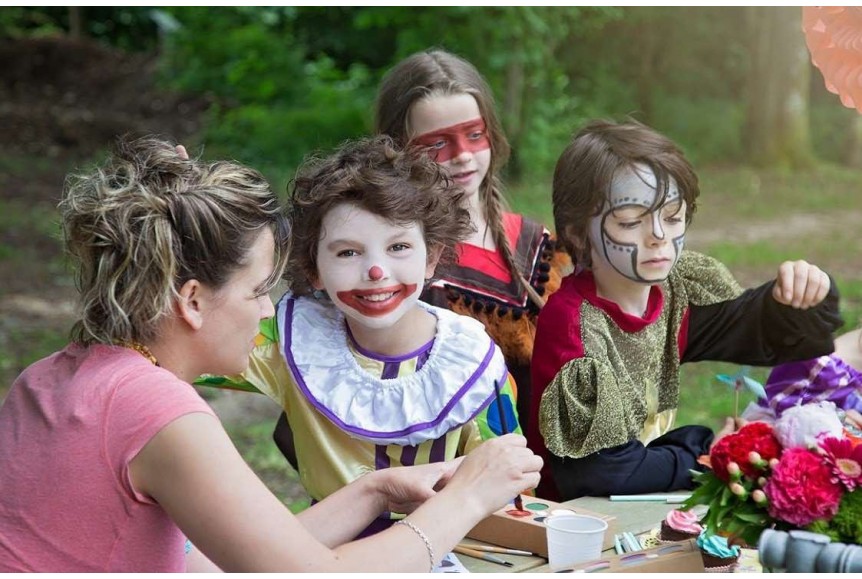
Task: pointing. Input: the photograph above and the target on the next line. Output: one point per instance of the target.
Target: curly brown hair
(376, 176)
(586, 169)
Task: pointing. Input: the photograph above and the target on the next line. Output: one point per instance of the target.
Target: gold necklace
(141, 349)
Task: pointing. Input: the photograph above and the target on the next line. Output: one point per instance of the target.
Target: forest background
(780, 160)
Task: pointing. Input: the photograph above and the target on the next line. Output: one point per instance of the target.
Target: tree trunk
(777, 127)
(513, 107)
(76, 22)
(854, 151)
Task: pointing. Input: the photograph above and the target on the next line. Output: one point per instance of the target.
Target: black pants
(283, 437)
(632, 468)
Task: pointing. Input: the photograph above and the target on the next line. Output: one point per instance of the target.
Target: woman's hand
(405, 488)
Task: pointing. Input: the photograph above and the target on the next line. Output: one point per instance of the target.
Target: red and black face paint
(449, 142)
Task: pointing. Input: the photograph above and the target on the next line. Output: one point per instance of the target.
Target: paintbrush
(481, 555)
(493, 549)
(519, 504)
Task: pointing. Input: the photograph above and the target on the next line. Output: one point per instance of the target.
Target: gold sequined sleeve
(705, 280)
(584, 409)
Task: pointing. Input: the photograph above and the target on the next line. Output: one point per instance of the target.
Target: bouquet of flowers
(803, 471)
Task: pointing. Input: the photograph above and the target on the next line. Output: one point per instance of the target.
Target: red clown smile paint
(377, 301)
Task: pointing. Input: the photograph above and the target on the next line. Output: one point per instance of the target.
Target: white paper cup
(574, 539)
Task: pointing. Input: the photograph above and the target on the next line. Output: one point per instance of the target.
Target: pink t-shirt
(69, 427)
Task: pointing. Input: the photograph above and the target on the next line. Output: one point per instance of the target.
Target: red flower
(844, 460)
(736, 447)
(801, 489)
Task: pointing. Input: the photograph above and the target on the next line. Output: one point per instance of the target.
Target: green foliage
(283, 134)
(729, 514)
(16, 21)
(126, 27)
(846, 525)
(239, 55)
(274, 104)
(694, 124)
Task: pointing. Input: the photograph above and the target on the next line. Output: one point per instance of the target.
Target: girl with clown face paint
(610, 341)
(370, 377)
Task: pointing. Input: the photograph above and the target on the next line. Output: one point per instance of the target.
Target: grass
(257, 448)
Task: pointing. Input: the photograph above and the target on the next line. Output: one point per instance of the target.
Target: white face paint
(372, 270)
(639, 244)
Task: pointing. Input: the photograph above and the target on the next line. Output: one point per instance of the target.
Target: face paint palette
(525, 529)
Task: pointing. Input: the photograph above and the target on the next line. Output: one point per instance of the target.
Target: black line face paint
(639, 243)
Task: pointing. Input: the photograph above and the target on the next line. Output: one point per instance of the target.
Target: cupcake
(718, 556)
(679, 526)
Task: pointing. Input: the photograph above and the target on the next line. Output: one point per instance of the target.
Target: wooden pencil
(480, 555)
(494, 549)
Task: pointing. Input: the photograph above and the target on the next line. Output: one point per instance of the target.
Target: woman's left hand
(407, 487)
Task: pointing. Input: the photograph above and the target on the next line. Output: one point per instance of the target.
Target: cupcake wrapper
(721, 569)
(666, 542)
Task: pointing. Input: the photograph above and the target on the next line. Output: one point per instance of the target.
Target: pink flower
(801, 488)
(844, 460)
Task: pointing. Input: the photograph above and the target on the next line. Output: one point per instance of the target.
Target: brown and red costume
(481, 286)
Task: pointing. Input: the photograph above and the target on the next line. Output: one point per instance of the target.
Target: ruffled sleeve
(584, 409)
(705, 280)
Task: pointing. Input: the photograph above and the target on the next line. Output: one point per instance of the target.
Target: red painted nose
(375, 273)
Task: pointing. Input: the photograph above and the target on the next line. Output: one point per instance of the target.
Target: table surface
(635, 517)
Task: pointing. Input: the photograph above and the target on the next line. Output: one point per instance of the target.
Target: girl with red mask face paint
(369, 376)
(439, 105)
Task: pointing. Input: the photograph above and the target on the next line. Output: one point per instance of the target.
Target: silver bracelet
(422, 536)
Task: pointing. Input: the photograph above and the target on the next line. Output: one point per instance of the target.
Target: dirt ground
(62, 102)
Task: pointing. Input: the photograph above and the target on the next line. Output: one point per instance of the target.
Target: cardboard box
(528, 533)
(681, 557)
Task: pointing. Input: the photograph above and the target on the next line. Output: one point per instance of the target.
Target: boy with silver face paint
(633, 194)
(610, 341)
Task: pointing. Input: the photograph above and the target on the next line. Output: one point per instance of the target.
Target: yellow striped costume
(353, 411)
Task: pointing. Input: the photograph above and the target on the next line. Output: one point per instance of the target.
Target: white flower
(800, 426)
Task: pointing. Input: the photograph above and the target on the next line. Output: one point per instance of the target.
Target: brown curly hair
(586, 169)
(376, 176)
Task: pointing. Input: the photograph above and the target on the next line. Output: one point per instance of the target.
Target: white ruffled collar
(455, 384)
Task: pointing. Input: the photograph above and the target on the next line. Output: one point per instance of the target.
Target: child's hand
(731, 425)
(800, 285)
(854, 418)
(495, 471)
